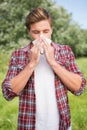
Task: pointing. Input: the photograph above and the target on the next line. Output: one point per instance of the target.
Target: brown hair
(37, 15)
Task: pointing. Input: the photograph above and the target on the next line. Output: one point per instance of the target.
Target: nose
(41, 34)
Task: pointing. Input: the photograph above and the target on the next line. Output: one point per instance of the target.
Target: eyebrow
(39, 31)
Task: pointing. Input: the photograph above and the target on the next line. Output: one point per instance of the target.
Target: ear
(51, 31)
(28, 32)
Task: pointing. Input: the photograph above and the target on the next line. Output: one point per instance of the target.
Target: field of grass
(9, 110)
(78, 104)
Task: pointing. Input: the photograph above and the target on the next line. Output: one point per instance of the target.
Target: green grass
(9, 110)
(78, 104)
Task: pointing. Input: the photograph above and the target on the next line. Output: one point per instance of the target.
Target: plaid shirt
(27, 107)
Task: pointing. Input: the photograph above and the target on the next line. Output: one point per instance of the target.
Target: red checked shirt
(27, 100)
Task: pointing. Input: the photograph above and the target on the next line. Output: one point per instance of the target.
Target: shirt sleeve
(74, 68)
(6, 85)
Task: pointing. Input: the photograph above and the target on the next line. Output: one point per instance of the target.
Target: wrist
(53, 64)
(31, 65)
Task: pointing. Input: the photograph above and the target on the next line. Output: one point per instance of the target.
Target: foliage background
(13, 34)
(13, 31)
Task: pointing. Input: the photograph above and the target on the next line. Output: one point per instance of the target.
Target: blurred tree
(83, 46)
(13, 30)
(12, 19)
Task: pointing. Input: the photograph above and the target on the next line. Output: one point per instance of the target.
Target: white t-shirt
(47, 114)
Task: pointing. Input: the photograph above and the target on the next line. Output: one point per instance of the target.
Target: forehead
(44, 24)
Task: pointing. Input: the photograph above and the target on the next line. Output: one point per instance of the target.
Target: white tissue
(47, 41)
(35, 41)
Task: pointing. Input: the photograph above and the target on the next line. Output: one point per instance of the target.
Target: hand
(49, 53)
(35, 54)
(41, 45)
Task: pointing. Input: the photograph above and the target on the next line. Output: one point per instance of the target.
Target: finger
(46, 46)
(34, 49)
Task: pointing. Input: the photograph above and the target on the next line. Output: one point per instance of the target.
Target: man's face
(40, 28)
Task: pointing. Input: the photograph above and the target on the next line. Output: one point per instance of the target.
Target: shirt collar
(29, 46)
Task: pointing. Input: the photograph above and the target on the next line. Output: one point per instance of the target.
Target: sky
(78, 8)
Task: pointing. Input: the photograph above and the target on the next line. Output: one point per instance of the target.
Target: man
(41, 75)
